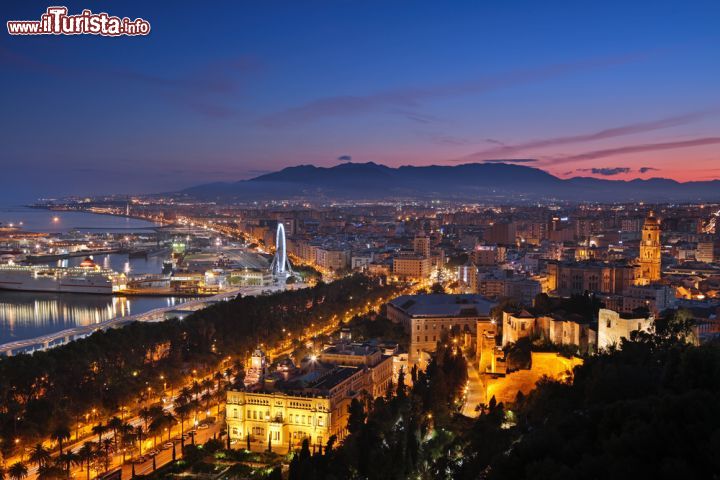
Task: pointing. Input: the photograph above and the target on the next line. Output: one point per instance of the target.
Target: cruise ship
(86, 278)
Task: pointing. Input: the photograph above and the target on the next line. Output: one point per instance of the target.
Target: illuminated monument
(650, 250)
(280, 266)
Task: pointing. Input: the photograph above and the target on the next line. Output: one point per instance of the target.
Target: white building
(613, 326)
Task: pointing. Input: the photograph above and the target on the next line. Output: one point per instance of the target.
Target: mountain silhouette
(468, 182)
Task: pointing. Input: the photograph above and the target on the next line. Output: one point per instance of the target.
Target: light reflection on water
(30, 314)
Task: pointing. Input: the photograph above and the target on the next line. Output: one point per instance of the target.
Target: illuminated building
(558, 329)
(285, 409)
(425, 317)
(411, 267)
(576, 278)
(421, 246)
(650, 254)
(468, 277)
(614, 326)
(315, 410)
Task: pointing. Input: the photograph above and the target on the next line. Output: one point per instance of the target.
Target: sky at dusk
(231, 90)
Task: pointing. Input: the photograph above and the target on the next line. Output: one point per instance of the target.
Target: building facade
(613, 327)
(411, 267)
(650, 250)
(426, 317)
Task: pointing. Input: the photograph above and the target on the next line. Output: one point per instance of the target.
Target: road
(165, 455)
(474, 395)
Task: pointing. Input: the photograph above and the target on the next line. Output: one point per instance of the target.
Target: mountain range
(469, 182)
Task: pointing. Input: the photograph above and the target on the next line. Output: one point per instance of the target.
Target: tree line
(127, 367)
(647, 409)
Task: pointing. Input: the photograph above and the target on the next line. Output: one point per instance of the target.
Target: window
(609, 324)
(321, 421)
(235, 413)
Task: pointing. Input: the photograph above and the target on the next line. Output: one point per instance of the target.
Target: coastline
(157, 222)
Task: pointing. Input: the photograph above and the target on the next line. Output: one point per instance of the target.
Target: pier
(35, 259)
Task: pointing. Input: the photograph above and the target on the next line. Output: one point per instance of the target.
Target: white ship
(86, 278)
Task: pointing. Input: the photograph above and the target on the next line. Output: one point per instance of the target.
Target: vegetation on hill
(650, 409)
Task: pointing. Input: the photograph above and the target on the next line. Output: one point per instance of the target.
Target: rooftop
(444, 305)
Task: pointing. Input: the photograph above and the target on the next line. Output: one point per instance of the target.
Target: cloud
(629, 129)
(411, 97)
(345, 158)
(511, 160)
(606, 171)
(646, 147)
(648, 169)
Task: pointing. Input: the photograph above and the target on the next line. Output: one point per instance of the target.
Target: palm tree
(18, 471)
(146, 415)
(183, 413)
(40, 456)
(99, 430)
(127, 437)
(219, 378)
(185, 394)
(155, 428)
(206, 397)
(196, 389)
(86, 454)
(169, 420)
(220, 395)
(50, 472)
(104, 450)
(67, 459)
(156, 411)
(61, 434)
(115, 424)
(207, 385)
(140, 435)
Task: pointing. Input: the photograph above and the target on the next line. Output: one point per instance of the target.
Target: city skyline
(231, 92)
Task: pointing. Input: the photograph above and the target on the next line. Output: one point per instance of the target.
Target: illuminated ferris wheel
(280, 266)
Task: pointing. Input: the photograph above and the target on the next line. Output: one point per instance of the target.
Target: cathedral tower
(650, 265)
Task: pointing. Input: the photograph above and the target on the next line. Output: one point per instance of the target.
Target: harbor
(60, 284)
(54, 339)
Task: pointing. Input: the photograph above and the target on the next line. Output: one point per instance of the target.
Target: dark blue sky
(229, 90)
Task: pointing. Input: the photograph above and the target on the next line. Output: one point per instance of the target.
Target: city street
(474, 395)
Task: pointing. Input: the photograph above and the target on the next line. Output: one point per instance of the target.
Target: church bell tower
(650, 256)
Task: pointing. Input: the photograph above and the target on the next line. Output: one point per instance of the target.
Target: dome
(651, 219)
